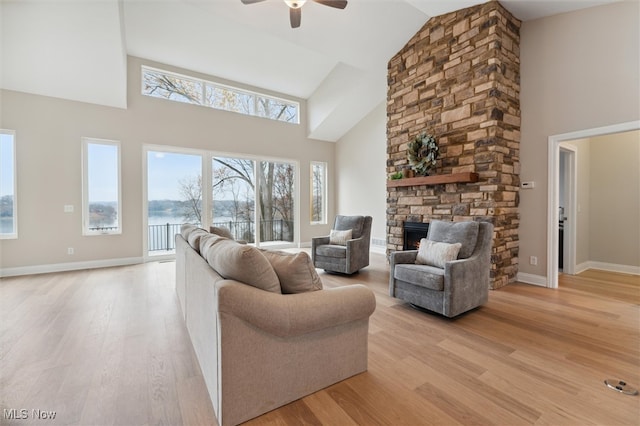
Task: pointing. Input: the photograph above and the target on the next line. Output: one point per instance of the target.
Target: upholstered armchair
(341, 252)
(426, 278)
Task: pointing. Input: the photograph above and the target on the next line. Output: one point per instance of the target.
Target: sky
(102, 172)
(165, 170)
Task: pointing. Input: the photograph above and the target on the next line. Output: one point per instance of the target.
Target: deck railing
(161, 237)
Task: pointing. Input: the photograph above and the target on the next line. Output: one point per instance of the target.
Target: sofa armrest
(318, 241)
(357, 254)
(315, 242)
(397, 258)
(357, 244)
(468, 272)
(295, 314)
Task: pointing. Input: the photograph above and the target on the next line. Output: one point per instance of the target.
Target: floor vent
(620, 386)
(378, 242)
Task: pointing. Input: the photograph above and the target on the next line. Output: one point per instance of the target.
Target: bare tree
(184, 89)
(230, 100)
(275, 191)
(317, 192)
(276, 110)
(191, 191)
(283, 202)
(172, 87)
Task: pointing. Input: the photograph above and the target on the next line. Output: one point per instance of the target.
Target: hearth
(413, 233)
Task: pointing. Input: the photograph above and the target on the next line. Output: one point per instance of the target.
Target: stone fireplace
(458, 79)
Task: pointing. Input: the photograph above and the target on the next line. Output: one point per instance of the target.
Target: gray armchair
(462, 285)
(349, 258)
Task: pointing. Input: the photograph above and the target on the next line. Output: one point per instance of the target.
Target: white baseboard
(581, 267)
(611, 267)
(533, 279)
(71, 266)
(541, 280)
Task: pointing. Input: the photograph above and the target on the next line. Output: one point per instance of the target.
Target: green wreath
(422, 153)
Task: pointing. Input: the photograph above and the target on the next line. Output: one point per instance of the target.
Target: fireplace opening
(413, 233)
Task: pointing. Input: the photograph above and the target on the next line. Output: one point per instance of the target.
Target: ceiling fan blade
(295, 16)
(250, 1)
(338, 4)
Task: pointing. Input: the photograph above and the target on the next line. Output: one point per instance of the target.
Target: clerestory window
(175, 87)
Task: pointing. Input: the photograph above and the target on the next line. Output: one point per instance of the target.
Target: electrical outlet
(70, 250)
(533, 260)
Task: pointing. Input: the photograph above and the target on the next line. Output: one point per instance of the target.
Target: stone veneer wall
(458, 78)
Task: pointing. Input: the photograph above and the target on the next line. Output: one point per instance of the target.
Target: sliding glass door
(233, 196)
(174, 197)
(254, 199)
(277, 204)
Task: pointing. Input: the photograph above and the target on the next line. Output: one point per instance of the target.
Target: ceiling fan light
(295, 4)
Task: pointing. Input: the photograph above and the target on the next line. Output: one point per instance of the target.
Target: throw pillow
(340, 237)
(295, 271)
(223, 232)
(243, 263)
(206, 241)
(434, 253)
(194, 238)
(186, 229)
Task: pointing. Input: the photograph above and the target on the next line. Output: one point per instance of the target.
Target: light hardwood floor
(108, 346)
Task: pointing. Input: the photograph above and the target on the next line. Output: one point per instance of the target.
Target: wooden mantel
(467, 177)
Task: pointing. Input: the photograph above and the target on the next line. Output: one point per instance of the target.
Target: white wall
(579, 70)
(361, 171)
(608, 198)
(49, 132)
(614, 202)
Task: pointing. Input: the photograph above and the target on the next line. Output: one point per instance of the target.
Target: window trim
(86, 231)
(325, 192)
(14, 162)
(205, 83)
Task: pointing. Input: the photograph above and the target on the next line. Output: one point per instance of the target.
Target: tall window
(8, 202)
(318, 192)
(101, 207)
(180, 88)
(174, 196)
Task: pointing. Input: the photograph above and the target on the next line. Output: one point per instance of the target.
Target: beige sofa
(259, 349)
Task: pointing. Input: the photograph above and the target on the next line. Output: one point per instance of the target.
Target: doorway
(553, 192)
(567, 217)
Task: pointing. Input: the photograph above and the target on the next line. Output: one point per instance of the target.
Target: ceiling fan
(295, 13)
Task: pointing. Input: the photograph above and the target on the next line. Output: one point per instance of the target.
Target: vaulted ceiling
(337, 59)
